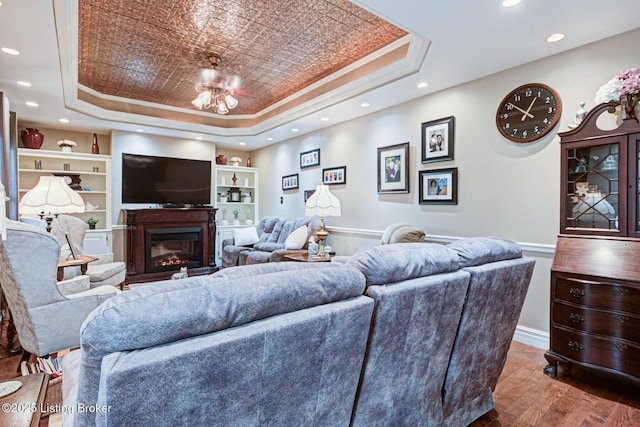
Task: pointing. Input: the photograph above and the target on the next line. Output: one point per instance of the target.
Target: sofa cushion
(268, 246)
(246, 236)
(297, 238)
(241, 272)
(403, 261)
(257, 257)
(277, 228)
(482, 250)
(265, 227)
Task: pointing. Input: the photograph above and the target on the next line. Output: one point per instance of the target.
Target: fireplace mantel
(142, 222)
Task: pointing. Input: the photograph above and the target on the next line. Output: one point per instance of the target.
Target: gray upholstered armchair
(103, 271)
(46, 320)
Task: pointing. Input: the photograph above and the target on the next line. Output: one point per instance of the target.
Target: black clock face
(528, 113)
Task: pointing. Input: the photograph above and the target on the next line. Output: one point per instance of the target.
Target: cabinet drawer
(597, 322)
(605, 296)
(614, 354)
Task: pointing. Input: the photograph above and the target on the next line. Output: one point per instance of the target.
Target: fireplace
(160, 241)
(166, 249)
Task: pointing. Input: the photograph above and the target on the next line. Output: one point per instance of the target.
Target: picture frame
(334, 176)
(438, 186)
(437, 140)
(290, 182)
(308, 193)
(309, 159)
(393, 169)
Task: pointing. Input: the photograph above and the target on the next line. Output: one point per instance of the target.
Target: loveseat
(270, 241)
(401, 335)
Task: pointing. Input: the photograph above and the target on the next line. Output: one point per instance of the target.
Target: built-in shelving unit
(94, 173)
(239, 196)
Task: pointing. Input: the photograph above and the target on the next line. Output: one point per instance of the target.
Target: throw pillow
(297, 238)
(245, 236)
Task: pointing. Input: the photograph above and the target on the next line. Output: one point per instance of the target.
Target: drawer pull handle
(621, 346)
(621, 318)
(622, 291)
(576, 318)
(577, 293)
(575, 346)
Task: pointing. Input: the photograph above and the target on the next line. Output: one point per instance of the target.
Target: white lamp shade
(322, 203)
(203, 100)
(51, 196)
(231, 102)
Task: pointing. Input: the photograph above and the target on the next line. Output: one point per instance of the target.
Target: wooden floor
(525, 396)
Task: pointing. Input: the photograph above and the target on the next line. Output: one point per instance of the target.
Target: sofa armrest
(227, 242)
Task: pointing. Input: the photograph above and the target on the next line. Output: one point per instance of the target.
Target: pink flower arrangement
(624, 85)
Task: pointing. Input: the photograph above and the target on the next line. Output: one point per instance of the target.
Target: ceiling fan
(215, 90)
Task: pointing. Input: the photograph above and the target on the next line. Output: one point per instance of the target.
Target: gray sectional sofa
(409, 334)
(273, 232)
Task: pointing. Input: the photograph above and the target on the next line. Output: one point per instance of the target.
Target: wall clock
(528, 112)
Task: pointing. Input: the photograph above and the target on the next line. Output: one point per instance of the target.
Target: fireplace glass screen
(172, 248)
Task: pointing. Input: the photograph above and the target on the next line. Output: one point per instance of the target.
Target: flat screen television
(165, 180)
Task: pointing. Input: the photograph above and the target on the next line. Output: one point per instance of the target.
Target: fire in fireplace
(171, 248)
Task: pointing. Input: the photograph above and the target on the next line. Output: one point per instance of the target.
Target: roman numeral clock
(528, 112)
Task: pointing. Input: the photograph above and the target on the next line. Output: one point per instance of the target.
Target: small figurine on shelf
(236, 216)
(92, 223)
(234, 179)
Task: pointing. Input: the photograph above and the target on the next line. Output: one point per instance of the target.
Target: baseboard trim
(532, 337)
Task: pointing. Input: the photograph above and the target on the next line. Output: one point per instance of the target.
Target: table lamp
(322, 203)
(49, 198)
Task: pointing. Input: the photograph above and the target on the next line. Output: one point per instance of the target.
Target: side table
(81, 262)
(23, 407)
(305, 257)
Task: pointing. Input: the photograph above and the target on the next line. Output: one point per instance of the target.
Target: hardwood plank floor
(526, 396)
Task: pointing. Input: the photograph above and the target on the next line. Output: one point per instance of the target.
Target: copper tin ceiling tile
(154, 51)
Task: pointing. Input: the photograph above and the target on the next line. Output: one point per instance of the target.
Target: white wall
(505, 189)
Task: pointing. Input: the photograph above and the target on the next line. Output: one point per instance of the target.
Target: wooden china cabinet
(595, 277)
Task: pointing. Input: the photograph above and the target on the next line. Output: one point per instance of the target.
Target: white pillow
(297, 238)
(245, 236)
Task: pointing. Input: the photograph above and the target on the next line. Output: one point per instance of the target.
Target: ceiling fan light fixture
(216, 91)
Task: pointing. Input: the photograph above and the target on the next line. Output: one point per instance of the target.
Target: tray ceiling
(154, 52)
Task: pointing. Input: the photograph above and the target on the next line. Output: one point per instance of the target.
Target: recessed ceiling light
(31, 104)
(25, 84)
(140, 130)
(510, 3)
(365, 105)
(242, 143)
(63, 120)
(269, 139)
(555, 37)
(295, 130)
(325, 119)
(422, 85)
(199, 138)
(10, 51)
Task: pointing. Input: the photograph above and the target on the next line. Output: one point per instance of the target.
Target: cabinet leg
(551, 370)
(553, 359)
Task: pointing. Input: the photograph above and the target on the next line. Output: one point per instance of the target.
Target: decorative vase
(95, 148)
(221, 159)
(630, 107)
(31, 138)
(66, 149)
(248, 162)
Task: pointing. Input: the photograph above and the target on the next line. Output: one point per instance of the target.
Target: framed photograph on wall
(309, 159)
(437, 140)
(290, 182)
(438, 187)
(393, 169)
(308, 193)
(334, 176)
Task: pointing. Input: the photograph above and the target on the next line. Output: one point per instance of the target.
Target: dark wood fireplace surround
(144, 222)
